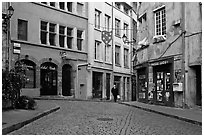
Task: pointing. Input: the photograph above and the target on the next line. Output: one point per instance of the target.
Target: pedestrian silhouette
(114, 91)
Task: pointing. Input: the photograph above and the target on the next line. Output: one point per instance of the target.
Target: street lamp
(6, 18)
(125, 40)
(6, 28)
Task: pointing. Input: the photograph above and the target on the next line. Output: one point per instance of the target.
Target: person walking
(114, 91)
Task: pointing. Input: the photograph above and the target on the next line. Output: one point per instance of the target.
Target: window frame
(61, 5)
(98, 54)
(97, 20)
(107, 22)
(50, 4)
(119, 54)
(71, 4)
(117, 27)
(108, 54)
(62, 35)
(44, 31)
(160, 26)
(125, 29)
(79, 47)
(52, 33)
(19, 35)
(126, 58)
(69, 37)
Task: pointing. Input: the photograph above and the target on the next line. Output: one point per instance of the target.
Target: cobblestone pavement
(105, 118)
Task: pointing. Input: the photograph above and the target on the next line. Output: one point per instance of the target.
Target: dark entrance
(48, 80)
(163, 78)
(142, 84)
(108, 86)
(198, 85)
(97, 84)
(66, 80)
(133, 78)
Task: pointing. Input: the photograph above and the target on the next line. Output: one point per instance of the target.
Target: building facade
(109, 62)
(52, 38)
(168, 53)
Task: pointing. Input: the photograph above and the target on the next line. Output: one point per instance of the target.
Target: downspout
(112, 47)
(183, 72)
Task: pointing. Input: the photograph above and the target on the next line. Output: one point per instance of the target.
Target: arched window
(30, 73)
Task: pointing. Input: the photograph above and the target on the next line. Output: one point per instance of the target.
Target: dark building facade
(164, 53)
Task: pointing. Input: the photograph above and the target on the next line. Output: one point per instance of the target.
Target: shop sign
(160, 63)
(48, 67)
(17, 48)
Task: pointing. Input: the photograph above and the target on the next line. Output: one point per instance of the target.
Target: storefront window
(30, 73)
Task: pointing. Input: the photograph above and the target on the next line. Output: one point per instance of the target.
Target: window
(117, 5)
(79, 8)
(97, 19)
(107, 22)
(22, 29)
(126, 60)
(69, 6)
(52, 34)
(69, 37)
(30, 73)
(52, 4)
(108, 54)
(117, 27)
(126, 29)
(98, 55)
(160, 22)
(79, 39)
(61, 36)
(43, 32)
(117, 55)
(44, 2)
(61, 5)
(126, 10)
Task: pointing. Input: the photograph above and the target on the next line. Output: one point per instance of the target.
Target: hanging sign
(106, 36)
(17, 48)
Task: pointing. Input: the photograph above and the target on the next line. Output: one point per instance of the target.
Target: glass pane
(61, 5)
(69, 6)
(43, 25)
(69, 42)
(61, 29)
(52, 39)
(43, 37)
(52, 27)
(79, 34)
(61, 41)
(69, 31)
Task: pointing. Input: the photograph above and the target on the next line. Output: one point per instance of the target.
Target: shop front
(163, 82)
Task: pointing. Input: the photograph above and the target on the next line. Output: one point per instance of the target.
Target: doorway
(198, 85)
(163, 85)
(97, 84)
(66, 80)
(107, 86)
(48, 79)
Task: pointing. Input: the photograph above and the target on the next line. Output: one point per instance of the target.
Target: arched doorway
(66, 80)
(48, 79)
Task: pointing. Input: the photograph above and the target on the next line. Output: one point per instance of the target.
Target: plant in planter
(12, 83)
(25, 102)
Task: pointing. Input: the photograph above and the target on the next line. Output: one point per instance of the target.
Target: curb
(21, 124)
(165, 114)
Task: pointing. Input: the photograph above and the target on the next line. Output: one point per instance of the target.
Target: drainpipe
(183, 72)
